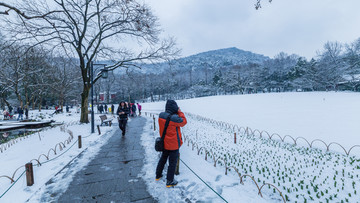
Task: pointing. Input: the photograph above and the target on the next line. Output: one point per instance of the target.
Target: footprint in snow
(217, 178)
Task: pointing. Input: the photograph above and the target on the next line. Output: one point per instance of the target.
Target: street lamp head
(104, 73)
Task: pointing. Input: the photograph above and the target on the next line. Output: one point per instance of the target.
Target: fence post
(29, 174)
(79, 141)
(98, 127)
(235, 138)
(177, 166)
(154, 123)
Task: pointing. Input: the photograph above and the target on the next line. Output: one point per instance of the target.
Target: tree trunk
(19, 98)
(33, 102)
(6, 102)
(61, 102)
(84, 117)
(40, 101)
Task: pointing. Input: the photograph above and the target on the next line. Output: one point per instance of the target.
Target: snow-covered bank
(330, 116)
(31, 148)
(300, 174)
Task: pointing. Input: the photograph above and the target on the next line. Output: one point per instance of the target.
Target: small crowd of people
(104, 108)
(124, 111)
(8, 113)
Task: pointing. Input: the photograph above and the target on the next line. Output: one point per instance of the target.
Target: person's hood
(171, 107)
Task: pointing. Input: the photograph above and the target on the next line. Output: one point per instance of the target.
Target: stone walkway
(114, 174)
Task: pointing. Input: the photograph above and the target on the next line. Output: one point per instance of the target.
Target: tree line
(36, 77)
(336, 67)
(88, 31)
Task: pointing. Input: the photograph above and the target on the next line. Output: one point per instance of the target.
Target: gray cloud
(292, 26)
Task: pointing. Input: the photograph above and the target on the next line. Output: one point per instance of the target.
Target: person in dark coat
(101, 108)
(172, 141)
(21, 113)
(139, 108)
(106, 108)
(123, 112)
(112, 108)
(133, 109)
(26, 113)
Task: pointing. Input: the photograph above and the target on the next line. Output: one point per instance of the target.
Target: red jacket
(173, 139)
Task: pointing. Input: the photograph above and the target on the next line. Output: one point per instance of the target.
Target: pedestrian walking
(170, 121)
(106, 108)
(20, 112)
(122, 112)
(139, 108)
(5, 114)
(133, 109)
(101, 108)
(112, 108)
(26, 113)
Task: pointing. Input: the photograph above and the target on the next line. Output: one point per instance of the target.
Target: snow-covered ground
(25, 150)
(190, 187)
(300, 173)
(330, 116)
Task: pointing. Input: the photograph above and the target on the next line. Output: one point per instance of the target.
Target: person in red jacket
(172, 141)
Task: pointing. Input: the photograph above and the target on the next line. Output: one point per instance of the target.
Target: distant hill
(224, 57)
(215, 58)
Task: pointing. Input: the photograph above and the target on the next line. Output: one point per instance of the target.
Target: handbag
(159, 142)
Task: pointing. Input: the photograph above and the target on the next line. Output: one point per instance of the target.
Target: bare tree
(352, 58)
(66, 79)
(12, 71)
(331, 67)
(91, 30)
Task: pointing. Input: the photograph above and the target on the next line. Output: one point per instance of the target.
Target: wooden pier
(11, 125)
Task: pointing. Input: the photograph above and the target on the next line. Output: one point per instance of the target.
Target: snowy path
(111, 176)
(42, 144)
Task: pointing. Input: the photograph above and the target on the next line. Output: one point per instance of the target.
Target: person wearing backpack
(170, 121)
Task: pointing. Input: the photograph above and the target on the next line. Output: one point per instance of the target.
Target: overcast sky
(293, 26)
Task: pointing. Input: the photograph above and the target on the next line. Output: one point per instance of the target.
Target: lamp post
(104, 74)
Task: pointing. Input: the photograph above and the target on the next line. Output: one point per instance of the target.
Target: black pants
(173, 157)
(122, 125)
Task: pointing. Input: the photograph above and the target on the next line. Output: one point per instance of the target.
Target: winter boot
(158, 178)
(171, 183)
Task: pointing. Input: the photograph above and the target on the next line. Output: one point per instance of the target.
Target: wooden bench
(105, 120)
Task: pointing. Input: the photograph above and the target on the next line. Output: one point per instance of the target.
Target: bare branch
(21, 13)
(258, 4)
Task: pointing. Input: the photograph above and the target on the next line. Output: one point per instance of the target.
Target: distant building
(103, 97)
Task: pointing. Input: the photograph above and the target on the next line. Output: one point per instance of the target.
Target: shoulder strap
(165, 128)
